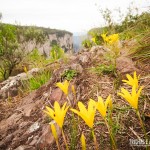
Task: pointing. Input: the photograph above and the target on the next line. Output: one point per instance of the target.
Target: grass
(142, 51)
(104, 69)
(36, 81)
(73, 133)
(1, 77)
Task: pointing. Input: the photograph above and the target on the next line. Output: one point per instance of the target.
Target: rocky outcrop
(125, 65)
(65, 41)
(10, 86)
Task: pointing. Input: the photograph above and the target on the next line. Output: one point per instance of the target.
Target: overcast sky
(71, 15)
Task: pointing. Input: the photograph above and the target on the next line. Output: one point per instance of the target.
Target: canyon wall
(65, 42)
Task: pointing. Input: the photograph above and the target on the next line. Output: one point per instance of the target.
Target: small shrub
(56, 53)
(69, 74)
(10, 52)
(97, 39)
(87, 43)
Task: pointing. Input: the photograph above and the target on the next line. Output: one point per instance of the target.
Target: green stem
(142, 125)
(111, 135)
(64, 139)
(58, 146)
(95, 141)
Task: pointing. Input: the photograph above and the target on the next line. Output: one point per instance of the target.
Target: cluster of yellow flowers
(58, 114)
(111, 39)
(88, 114)
(132, 98)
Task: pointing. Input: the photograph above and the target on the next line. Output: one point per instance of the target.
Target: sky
(70, 15)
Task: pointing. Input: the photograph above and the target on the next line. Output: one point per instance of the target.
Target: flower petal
(54, 131)
(83, 143)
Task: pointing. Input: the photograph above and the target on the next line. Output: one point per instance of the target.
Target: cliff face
(65, 41)
(31, 37)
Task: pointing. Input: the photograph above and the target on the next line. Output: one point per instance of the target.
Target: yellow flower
(58, 114)
(114, 38)
(54, 131)
(83, 142)
(93, 39)
(104, 37)
(25, 69)
(63, 86)
(111, 39)
(102, 107)
(132, 81)
(86, 114)
(132, 98)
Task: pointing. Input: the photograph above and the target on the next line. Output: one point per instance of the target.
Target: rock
(34, 71)
(10, 86)
(24, 124)
(34, 127)
(25, 147)
(13, 119)
(77, 67)
(47, 138)
(97, 48)
(125, 65)
(97, 51)
(27, 109)
(22, 76)
(13, 91)
(56, 95)
(72, 58)
(84, 58)
(34, 140)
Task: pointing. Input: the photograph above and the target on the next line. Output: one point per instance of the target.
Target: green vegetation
(35, 60)
(13, 55)
(42, 31)
(69, 74)
(56, 53)
(132, 25)
(142, 51)
(32, 33)
(73, 133)
(37, 81)
(135, 27)
(104, 69)
(87, 43)
(10, 54)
